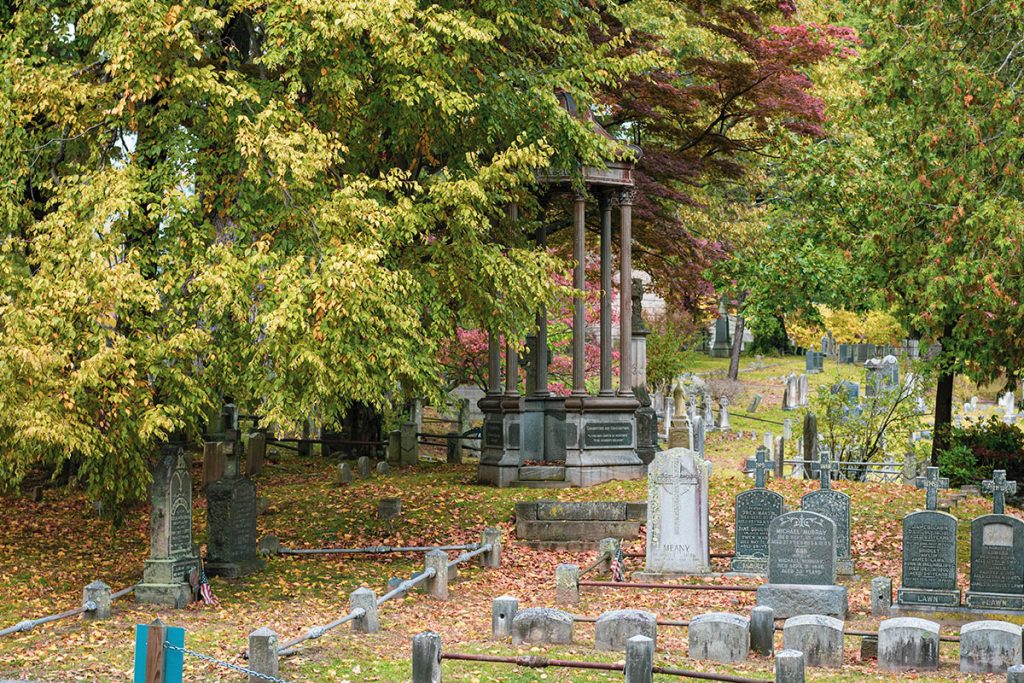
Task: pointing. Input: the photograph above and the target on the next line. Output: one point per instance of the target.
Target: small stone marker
(344, 473)
(724, 423)
(365, 599)
(881, 596)
(677, 514)
(755, 510)
(269, 545)
(388, 508)
(614, 628)
(256, 453)
(409, 445)
(789, 666)
(836, 506)
(453, 443)
(1015, 674)
(364, 467)
(719, 637)
(383, 467)
(98, 593)
(231, 527)
(908, 643)
(394, 452)
(492, 558)
(426, 657)
(542, 626)
(172, 563)
(762, 630)
(989, 647)
(214, 462)
(755, 403)
(639, 666)
(820, 638)
(868, 648)
(929, 551)
(998, 487)
(503, 611)
(997, 563)
(567, 584)
(263, 658)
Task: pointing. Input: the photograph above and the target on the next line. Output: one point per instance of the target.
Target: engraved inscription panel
(929, 550)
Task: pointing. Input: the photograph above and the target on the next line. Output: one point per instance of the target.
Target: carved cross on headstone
(999, 487)
(825, 467)
(931, 483)
(675, 484)
(761, 467)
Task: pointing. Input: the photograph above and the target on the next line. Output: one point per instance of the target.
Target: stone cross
(825, 466)
(931, 483)
(999, 487)
(761, 467)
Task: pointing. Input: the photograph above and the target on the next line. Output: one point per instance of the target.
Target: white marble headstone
(677, 513)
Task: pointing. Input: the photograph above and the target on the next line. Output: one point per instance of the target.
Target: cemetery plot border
(97, 604)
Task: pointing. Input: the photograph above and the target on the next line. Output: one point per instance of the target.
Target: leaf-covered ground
(50, 550)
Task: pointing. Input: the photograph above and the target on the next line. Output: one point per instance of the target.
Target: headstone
(836, 506)
(709, 415)
(809, 450)
(723, 415)
(769, 440)
(762, 630)
(755, 510)
(699, 427)
(542, 626)
(677, 513)
(787, 428)
(409, 445)
(614, 628)
(997, 563)
(172, 563)
(394, 455)
(931, 483)
(929, 551)
(908, 644)
(344, 473)
(754, 403)
(804, 391)
(214, 462)
(231, 527)
(802, 567)
(567, 584)
(791, 393)
(989, 647)
(819, 637)
(383, 467)
(364, 466)
(256, 453)
(719, 637)
(999, 487)
(389, 508)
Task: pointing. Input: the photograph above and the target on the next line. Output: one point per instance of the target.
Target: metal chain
(226, 665)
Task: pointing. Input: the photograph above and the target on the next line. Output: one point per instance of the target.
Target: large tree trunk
(943, 408)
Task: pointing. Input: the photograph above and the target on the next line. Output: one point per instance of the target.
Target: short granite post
(881, 596)
(367, 600)
(639, 660)
(262, 654)
(762, 630)
(453, 442)
(989, 646)
(364, 467)
(503, 611)
(567, 584)
(492, 558)
(426, 657)
(437, 585)
(1015, 674)
(908, 643)
(608, 548)
(789, 666)
(98, 593)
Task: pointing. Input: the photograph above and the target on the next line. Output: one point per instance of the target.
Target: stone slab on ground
(792, 600)
(549, 525)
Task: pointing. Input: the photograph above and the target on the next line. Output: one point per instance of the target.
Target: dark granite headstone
(231, 528)
(836, 506)
(929, 560)
(997, 563)
(755, 511)
(802, 549)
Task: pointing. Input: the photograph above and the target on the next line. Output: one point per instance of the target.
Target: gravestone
(214, 461)
(680, 434)
(997, 563)
(755, 510)
(173, 564)
(699, 435)
(908, 644)
(256, 453)
(809, 445)
(804, 391)
(791, 393)
(677, 514)
(836, 506)
(231, 526)
(998, 486)
(614, 628)
(929, 551)
(409, 444)
(755, 403)
(802, 567)
(364, 467)
(989, 647)
(819, 637)
(719, 637)
(724, 425)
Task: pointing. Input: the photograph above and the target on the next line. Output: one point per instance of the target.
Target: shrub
(961, 466)
(994, 445)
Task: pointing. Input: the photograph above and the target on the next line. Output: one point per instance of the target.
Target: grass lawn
(50, 550)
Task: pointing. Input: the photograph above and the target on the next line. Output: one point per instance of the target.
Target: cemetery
(499, 341)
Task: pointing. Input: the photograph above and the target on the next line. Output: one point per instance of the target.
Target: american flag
(617, 574)
(206, 591)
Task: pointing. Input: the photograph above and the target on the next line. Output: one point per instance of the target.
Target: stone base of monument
(234, 570)
(956, 616)
(497, 474)
(746, 565)
(662, 577)
(792, 600)
(577, 526)
(163, 583)
(600, 441)
(980, 600)
(927, 597)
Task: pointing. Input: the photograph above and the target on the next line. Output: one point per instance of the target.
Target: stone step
(542, 473)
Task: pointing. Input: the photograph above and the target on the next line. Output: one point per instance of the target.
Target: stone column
(493, 364)
(511, 370)
(541, 353)
(626, 291)
(437, 586)
(604, 202)
(579, 322)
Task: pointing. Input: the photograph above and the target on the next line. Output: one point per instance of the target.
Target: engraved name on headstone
(997, 563)
(802, 549)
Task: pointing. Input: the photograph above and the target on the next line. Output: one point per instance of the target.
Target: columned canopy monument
(582, 439)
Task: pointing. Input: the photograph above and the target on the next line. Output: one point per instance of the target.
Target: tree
(919, 184)
(288, 204)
